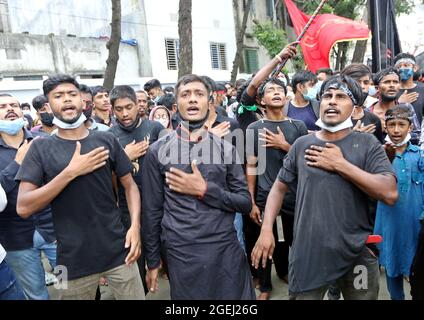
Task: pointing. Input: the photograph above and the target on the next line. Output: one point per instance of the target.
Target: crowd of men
(212, 183)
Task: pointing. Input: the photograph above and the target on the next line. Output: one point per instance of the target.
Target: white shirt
(3, 203)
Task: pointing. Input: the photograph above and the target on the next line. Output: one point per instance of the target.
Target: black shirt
(332, 221)
(419, 104)
(17, 233)
(270, 160)
(147, 129)
(371, 118)
(248, 117)
(87, 220)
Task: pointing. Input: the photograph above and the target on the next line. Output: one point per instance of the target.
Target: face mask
(405, 73)
(195, 125)
(163, 122)
(156, 100)
(26, 112)
(70, 126)
(405, 141)
(311, 94)
(12, 128)
(132, 127)
(47, 119)
(372, 91)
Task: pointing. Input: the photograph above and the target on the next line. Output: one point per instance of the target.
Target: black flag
(385, 36)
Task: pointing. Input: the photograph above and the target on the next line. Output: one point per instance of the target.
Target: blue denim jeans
(29, 269)
(395, 287)
(238, 224)
(9, 287)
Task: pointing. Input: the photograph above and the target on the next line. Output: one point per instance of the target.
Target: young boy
(399, 225)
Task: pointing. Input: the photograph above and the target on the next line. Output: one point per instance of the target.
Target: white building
(41, 37)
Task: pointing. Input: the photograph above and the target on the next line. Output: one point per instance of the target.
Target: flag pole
(280, 67)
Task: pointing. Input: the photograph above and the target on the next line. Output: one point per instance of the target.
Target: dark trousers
(417, 269)
(280, 255)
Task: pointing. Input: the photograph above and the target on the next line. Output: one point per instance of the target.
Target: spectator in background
(45, 114)
(101, 106)
(169, 90)
(87, 99)
(162, 115)
(154, 89)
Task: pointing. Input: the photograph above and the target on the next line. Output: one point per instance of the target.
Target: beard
(68, 121)
(387, 98)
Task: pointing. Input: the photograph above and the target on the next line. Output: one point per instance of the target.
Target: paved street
(279, 292)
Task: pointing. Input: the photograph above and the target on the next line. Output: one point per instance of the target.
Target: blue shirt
(399, 225)
(306, 114)
(17, 233)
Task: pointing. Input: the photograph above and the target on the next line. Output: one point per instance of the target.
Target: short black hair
(39, 101)
(189, 78)
(211, 82)
(349, 82)
(302, 77)
(327, 71)
(85, 89)
(55, 80)
(167, 100)
(261, 91)
(404, 56)
(169, 89)
(25, 104)
(220, 87)
(154, 83)
(357, 71)
(383, 73)
(122, 92)
(98, 89)
(401, 111)
(241, 88)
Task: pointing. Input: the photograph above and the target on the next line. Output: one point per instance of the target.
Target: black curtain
(385, 37)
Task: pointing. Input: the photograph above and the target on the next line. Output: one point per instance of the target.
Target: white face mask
(344, 125)
(405, 141)
(70, 126)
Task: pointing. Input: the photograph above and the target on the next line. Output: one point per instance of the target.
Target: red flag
(323, 34)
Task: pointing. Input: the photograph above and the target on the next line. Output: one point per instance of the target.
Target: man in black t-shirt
(134, 135)
(73, 170)
(333, 171)
(272, 138)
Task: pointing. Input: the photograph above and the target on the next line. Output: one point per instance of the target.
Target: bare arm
(265, 245)
(288, 52)
(133, 199)
(132, 240)
(378, 186)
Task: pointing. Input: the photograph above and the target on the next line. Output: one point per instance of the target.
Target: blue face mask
(12, 128)
(311, 94)
(372, 91)
(406, 73)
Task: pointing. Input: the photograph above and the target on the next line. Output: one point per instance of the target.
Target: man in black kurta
(191, 207)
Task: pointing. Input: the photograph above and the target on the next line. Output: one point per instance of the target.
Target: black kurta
(205, 259)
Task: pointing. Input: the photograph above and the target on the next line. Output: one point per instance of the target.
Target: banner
(324, 33)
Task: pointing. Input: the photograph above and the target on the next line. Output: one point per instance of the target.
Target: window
(219, 56)
(172, 53)
(251, 60)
